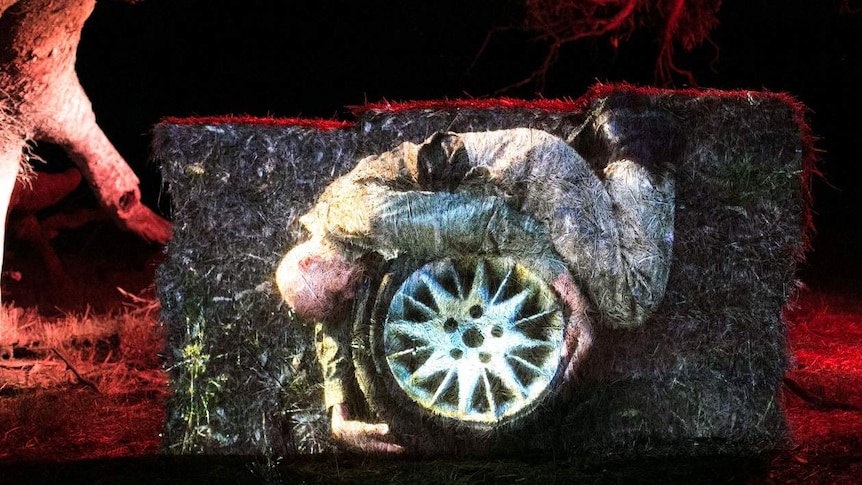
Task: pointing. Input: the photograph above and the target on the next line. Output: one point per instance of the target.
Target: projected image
(470, 270)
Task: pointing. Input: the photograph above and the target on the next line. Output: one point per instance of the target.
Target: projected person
(517, 192)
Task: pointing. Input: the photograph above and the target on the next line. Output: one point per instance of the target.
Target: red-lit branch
(563, 22)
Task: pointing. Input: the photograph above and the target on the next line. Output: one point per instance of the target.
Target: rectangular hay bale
(701, 376)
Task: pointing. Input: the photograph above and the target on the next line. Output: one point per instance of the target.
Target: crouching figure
(521, 247)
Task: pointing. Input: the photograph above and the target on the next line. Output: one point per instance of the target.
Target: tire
(464, 349)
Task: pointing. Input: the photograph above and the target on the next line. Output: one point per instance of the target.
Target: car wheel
(466, 346)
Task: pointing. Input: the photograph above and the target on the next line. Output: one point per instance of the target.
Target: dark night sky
(160, 58)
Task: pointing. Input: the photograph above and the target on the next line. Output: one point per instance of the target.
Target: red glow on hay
(595, 93)
(316, 124)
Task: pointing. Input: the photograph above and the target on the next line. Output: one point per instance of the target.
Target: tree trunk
(42, 100)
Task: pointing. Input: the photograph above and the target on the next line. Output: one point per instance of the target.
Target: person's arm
(380, 208)
(331, 349)
(333, 354)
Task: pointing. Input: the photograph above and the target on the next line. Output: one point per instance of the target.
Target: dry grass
(81, 385)
(824, 398)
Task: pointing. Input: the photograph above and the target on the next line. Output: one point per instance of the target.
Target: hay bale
(701, 376)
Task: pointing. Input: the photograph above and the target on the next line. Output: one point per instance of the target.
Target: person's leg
(644, 211)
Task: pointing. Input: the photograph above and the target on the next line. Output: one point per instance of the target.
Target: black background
(141, 62)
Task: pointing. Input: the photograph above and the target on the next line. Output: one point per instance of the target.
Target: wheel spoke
(410, 351)
(443, 387)
(508, 309)
(480, 282)
(438, 362)
(442, 297)
(489, 393)
(533, 318)
(411, 330)
(503, 284)
(468, 379)
(453, 273)
(425, 309)
(529, 343)
(507, 375)
(528, 365)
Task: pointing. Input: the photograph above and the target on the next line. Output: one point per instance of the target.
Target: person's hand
(568, 291)
(579, 327)
(360, 436)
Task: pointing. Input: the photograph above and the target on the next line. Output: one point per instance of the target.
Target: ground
(104, 425)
